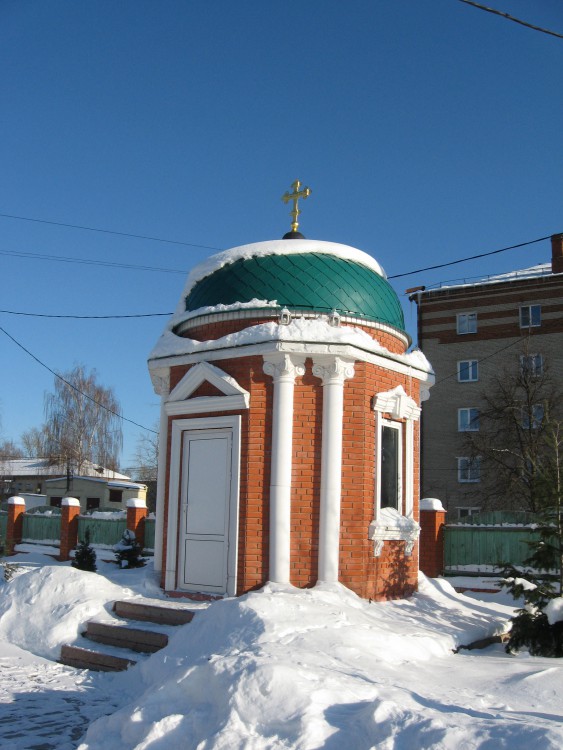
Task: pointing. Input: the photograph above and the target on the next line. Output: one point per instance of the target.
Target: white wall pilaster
(161, 474)
(333, 371)
(283, 368)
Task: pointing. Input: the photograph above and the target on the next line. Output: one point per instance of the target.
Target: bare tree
(82, 420)
(514, 442)
(146, 457)
(34, 442)
(9, 449)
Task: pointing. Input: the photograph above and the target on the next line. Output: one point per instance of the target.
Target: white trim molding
(333, 371)
(233, 397)
(283, 368)
(392, 524)
(179, 427)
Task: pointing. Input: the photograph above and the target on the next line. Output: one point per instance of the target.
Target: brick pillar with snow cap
(432, 522)
(14, 527)
(137, 511)
(70, 510)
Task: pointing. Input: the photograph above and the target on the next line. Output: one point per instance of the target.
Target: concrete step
(123, 636)
(162, 615)
(83, 658)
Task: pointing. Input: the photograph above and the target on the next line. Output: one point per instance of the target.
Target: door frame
(179, 428)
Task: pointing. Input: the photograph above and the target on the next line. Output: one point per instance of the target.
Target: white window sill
(391, 526)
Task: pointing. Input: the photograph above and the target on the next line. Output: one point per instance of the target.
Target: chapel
(289, 428)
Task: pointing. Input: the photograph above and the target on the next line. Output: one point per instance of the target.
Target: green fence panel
(41, 529)
(3, 524)
(469, 545)
(149, 534)
(104, 532)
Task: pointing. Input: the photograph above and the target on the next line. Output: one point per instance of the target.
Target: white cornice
(388, 361)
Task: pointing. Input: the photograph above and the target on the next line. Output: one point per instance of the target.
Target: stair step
(135, 639)
(83, 658)
(132, 610)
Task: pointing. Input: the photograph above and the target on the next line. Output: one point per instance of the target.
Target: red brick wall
(392, 574)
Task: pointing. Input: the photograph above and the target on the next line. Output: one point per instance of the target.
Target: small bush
(128, 551)
(85, 555)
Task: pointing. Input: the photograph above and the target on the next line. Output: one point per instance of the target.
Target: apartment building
(471, 333)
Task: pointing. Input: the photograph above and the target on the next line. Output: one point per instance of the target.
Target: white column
(333, 371)
(161, 475)
(283, 368)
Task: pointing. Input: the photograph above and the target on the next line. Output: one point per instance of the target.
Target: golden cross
(286, 197)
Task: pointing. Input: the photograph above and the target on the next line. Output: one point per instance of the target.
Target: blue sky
(426, 129)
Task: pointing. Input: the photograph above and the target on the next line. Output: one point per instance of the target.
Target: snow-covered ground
(278, 668)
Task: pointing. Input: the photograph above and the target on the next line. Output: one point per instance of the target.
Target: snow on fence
(488, 540)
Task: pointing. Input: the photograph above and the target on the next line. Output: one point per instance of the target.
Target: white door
(206, 496)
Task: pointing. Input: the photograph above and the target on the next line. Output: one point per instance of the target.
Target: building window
(468, 370)
(468, 469)
(532, 418)
(92, 503)
(468, 420)
(530, 316)
(467, 323)
(55, 502)
(391, 463)
(465, 512)
(115, 496)
(531, 365)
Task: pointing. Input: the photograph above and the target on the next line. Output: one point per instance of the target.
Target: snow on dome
(275, 247)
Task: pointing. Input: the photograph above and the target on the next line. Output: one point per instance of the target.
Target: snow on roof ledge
(300, 330)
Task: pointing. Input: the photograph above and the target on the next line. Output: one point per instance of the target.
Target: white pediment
(231, 395)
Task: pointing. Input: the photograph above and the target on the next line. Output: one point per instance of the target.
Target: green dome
(318, 277)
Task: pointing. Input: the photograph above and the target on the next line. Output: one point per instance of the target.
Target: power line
(85, 317)
(483, 359)
(471, 257)
(511, 18)
(109, 231)
(90, 262)
(56, 374)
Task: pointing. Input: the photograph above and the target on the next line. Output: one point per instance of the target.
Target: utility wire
(90, 262)
(147, 268)
(109, 231)
(134, 267)
(56, 374)
(471, 257)
(483, 359)
(511, 18)
(84, 317)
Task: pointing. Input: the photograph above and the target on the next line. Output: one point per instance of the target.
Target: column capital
(284, 366)
(333, 369)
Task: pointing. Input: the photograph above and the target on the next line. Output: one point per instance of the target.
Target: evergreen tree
(128, 551)
(542, 582)
(85, 555)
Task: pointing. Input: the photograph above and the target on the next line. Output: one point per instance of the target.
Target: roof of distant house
(35, 467)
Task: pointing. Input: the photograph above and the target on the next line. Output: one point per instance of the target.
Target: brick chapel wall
(389, 576)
